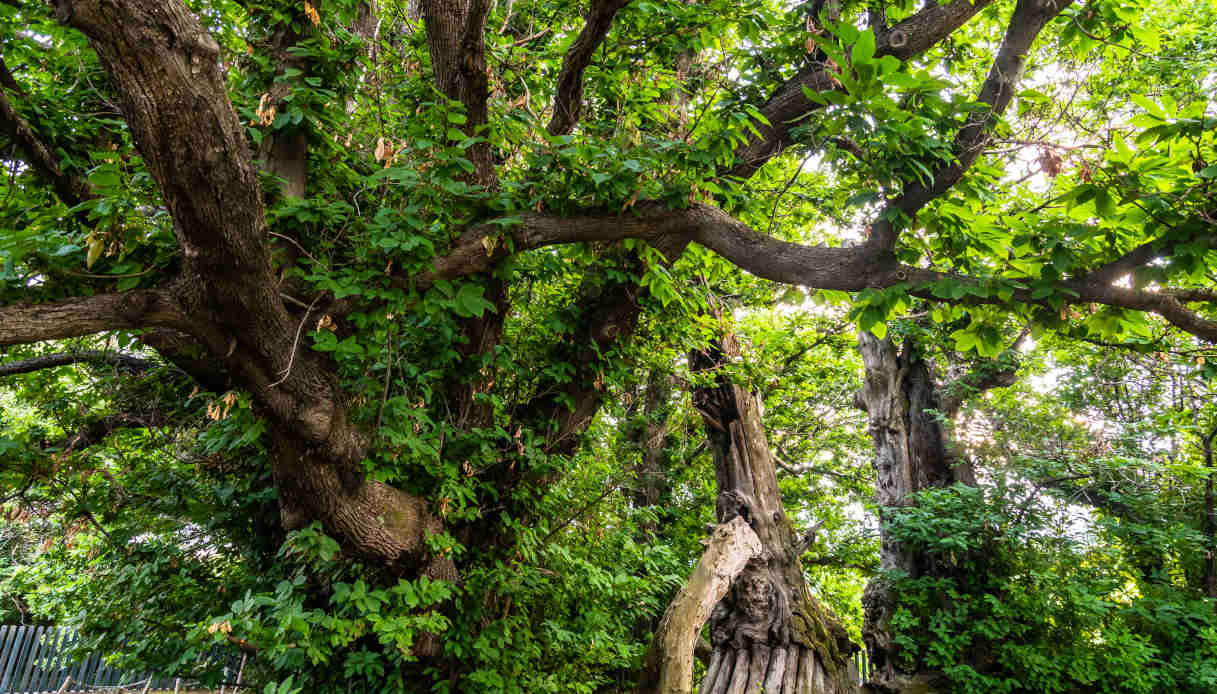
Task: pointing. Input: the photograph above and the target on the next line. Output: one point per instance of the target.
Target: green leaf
(469, 302)
(1150, 107)
(105, 177)
(864, 49)
(1104, 203)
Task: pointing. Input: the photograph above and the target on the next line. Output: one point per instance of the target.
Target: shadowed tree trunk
(912, 452)
(1210, 517)
(768, 633)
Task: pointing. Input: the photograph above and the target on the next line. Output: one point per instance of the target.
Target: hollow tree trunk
(911, 453)
(768, 634)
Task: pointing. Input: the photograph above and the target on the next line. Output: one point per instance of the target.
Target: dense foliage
(488, 282)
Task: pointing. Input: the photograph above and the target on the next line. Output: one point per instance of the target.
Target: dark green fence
(34, 659)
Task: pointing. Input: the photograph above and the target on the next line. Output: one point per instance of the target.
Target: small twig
(384, 396)
(532, 37)
(295, 243)
(579, 513)
(291, 359)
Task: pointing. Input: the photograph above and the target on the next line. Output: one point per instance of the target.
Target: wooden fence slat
(17, 659)
(45, 649)
(8, 635)
(14, 647)
(33, 682)
(82, 670)
(90, 666)
(65, 662)
(22, 684)
(37, 660)
(47, 656)
(57, 669)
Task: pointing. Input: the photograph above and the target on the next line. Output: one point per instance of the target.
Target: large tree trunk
(1210, 517)
(768, 633)
(912, 453)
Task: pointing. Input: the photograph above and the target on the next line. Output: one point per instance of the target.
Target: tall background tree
(331, 321)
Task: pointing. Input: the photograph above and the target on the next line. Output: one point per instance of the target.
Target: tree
(415, 266)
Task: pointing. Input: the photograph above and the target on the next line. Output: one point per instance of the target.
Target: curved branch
(26, 323)
(668, 668)
(1029, 19)
(126, 362)
(70, 188)
(789, 105)
(568, 99)
(844, 269)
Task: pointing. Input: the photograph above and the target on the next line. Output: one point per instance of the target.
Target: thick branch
(26, 323)
(97, 430)
(669, 663)
(1029, 19)
(165, 67)
(456, 41)
(568, 99)
(610, 317)
(172, 91)
(788, 106)
(844, 269)
(986, 377)
(126, 362)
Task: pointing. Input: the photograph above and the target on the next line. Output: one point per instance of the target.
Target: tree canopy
(411, 346)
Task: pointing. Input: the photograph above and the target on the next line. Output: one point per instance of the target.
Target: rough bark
(25, 323)
(669, 663)
(117, 360)
(457, 43)
(768, 634)
(912, 452)
(568, 100)
(172, 92)
(1210, 517)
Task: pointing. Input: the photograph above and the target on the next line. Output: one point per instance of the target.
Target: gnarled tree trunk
(768, 634)
(912, 453)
